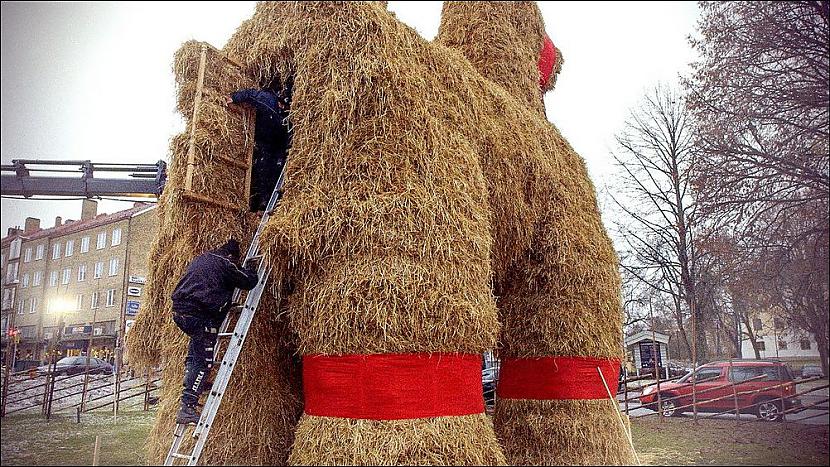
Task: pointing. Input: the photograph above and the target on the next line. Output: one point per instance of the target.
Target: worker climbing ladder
(234, 347)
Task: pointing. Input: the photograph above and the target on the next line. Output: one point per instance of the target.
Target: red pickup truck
(763, 388)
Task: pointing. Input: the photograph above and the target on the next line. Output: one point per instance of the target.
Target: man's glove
(252, 263)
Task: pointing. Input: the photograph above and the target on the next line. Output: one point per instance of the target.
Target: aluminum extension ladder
(234, 347)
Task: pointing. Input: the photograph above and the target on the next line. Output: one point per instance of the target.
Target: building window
(70, 247)
(84, 244)
(805, 344)
(27, 256)
(14, 248)
(37, 278)
(81, 272)
(56, 250)
(110, 298)
(25, 282)
(116, 237)
(99, 270)
(756, 323)
(39, 252)
(11, 272)
(761, 345)
(53, 278)
(79, 302)
(8, 298)
(782, 345)
(102, 240)
(113, 266)
(93, 303)
(20, 306)
(33, 305)
(67, 274)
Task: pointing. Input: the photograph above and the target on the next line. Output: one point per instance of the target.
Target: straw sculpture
(425, 187)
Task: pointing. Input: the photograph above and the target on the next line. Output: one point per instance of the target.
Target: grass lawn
(678, 441)
(31, 440)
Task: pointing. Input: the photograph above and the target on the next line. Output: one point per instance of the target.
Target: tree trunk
(678, 319)
(751, 335)
(821, 341)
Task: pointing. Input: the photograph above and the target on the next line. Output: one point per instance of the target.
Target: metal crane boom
(144, 180)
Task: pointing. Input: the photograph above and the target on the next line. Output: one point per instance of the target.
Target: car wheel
(668, 407)
(769, 410)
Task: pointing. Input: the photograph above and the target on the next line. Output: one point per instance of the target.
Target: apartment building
(78, 281)
(775, 339)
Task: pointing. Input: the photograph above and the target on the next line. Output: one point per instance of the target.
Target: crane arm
(25, 177)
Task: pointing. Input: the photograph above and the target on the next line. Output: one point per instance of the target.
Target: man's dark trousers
(199, 361)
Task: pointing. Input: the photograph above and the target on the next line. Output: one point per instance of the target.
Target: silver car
(811, 370)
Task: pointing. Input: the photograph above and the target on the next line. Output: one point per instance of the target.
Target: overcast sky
(94, 81)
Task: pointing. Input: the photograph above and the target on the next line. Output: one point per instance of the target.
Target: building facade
(775, 339)
(78, 283)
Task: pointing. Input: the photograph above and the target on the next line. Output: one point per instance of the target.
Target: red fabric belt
(392, 386)
(556, 378)
(547, 59)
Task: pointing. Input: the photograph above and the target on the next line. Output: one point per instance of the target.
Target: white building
(777, 340)
(639, 347)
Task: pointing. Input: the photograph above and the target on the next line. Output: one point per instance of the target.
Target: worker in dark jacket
(200, 303)
(272, 140)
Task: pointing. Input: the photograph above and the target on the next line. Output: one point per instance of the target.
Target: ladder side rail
(178, 436)
(239, 334)
(228, 365)
(253, 249)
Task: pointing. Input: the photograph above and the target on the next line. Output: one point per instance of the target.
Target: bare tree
(656, 157)
(760, 96)
(799, 272)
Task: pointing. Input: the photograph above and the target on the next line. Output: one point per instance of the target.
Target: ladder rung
(232, 352)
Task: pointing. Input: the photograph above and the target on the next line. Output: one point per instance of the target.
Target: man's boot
(187, 414)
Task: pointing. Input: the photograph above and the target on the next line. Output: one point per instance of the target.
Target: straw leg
(463, 440)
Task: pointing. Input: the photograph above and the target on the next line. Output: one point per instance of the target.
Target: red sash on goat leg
(392, 386)
(556, 378)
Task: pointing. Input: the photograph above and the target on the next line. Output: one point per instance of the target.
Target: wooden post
(88, 355)
(625, 391)
(46, 385)
(11, 356)
(731, 379)
(694, 361)
(655, 352)
(251, 122)
(95, 450)
(147, 375)
(197, 100)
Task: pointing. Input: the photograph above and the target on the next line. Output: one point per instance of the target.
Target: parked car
(76, 365)
(811, 370)
(676, 369)
(768, 385)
